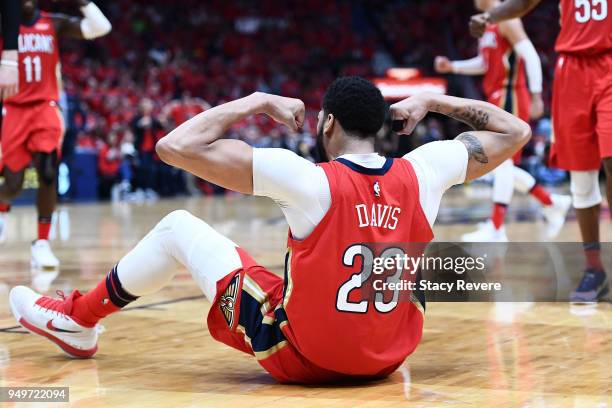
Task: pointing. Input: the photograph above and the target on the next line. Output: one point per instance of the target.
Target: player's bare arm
(514, 32)
(92, 25)
(197, 145)
(505, 11)
(496, 137)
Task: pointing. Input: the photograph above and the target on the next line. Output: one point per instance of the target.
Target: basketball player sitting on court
(32, 125)
(312, 326)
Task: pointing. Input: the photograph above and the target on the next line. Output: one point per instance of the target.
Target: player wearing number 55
(282, 322)
(582, 116)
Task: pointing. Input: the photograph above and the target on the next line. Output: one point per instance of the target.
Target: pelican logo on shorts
(227, 301)
(376, 189)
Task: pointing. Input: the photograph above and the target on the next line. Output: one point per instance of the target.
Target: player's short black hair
(357, 104)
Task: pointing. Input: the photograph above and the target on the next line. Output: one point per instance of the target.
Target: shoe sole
(600, 296)
(66, 348)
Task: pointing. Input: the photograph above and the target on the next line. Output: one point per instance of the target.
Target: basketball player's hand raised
(287, 111)
(408, 113)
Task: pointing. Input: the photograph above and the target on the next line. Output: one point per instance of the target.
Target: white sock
(503, 183)
(178, 239)
(523, 181)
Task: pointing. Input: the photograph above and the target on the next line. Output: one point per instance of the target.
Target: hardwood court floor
(158, 352)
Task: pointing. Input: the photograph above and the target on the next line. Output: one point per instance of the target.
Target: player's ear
(328, 125)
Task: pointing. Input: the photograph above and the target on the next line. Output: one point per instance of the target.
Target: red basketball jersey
(39, 67)
(332, 318)
(586, 26)
(505, 69)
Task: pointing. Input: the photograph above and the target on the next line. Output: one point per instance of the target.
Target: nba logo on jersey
(377, 189)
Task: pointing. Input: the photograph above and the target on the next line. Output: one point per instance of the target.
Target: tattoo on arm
(474, 148)
(476, 118)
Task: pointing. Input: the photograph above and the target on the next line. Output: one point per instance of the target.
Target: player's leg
(493, 230)
(587, 202)
(46, 167)
(594, 284)
(178, 239)
(503, 189)
(44, 142)
(607, 165)
(13, 182)
(15, 158)
(604, 127)
(574, 147)
(554, 206)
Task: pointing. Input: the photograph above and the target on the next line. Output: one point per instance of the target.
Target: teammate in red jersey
(508, 59)
(313, 326)
(581, 114)
(32, 125)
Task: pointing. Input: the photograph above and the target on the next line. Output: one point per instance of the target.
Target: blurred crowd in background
(164, 62)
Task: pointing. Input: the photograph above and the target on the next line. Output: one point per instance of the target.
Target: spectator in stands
(109, 164)
(147, 131)
(177, 111)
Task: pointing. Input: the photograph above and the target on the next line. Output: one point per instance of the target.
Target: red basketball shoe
(51, 318)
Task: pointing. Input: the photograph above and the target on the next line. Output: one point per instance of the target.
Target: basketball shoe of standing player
(32, 125)
(356, 196)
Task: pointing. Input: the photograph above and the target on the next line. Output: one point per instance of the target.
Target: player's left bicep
(225, 162)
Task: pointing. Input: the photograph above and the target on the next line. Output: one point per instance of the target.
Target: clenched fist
(287, 111)
(409, 112)
(443, 65)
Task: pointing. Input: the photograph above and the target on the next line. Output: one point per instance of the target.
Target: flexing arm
(505, 11)
(9, 74)
(196, 146)
(472, 66)
(496, 137)
(514, 32)
(92, 25)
